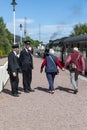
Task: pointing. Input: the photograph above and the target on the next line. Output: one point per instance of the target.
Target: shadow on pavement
(42, 89)
(68, 90)
(7, 91)
(20, 89)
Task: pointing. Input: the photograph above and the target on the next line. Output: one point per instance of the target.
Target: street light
(21, 34)
(14, 4)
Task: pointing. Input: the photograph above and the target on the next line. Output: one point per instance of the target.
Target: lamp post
(25, 28)
(20, 35)
(14, 4)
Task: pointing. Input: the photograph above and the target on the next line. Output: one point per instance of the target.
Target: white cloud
(44, 32)
(51, 31)
(10, 25)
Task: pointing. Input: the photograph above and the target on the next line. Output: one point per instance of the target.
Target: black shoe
(26, 91)
(75, 91)
(18, 92)
(15, 95)
(31, 90)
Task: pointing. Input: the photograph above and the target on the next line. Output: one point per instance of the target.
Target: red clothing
(78, 59)
(57, 62)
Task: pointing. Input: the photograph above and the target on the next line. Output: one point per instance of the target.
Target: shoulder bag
(54, 64)
(72, 65)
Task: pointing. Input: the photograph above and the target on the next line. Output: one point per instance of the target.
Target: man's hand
(14, 74)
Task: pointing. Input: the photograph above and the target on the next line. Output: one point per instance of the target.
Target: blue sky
(45, 19)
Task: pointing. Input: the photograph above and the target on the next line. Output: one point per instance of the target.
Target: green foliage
(5, 39)
(1, 53)
(34, 43)
(79, 29)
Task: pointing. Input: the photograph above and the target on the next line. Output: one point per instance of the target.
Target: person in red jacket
(51, 62)
(77, 65)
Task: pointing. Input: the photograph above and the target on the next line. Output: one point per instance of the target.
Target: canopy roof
(76, 38)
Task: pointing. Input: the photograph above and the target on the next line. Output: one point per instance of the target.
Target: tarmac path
(41, 110)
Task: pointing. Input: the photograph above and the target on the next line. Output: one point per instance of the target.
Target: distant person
(13, 69)
(32, 50)
(26, 63)
(76, 64)
(50, 62)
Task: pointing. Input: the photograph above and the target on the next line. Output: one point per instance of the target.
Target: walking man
(76, 65)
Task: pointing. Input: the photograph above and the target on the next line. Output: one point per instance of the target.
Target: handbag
(54, 64)
(72, 65)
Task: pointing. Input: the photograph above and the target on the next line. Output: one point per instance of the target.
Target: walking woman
(50, 62)
(76, 64)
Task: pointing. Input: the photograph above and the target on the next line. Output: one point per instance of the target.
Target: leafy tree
(34, 43)
(5, 38)
(79, 29)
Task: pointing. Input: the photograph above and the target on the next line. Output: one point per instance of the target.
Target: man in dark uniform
(26, 63)
(13, 68)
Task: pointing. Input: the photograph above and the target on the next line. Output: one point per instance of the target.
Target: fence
(3, 76)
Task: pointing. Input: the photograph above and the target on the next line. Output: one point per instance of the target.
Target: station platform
(41, 110)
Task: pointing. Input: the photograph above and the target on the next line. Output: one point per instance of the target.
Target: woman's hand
(63, 69)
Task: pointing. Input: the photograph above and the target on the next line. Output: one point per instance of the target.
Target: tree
(79, 29)
(34, 43)
(5, 38)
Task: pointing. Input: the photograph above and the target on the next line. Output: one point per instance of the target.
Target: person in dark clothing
(50, 62)
(13, 68)
(26, 64)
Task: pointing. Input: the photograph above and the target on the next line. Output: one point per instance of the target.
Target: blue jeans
(50, 78)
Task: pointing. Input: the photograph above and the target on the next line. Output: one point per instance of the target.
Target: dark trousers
(27, 78)
(14, 83)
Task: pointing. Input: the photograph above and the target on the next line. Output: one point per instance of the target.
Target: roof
(76, 38)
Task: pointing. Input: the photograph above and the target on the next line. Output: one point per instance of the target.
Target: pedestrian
(76, 64)
(26, 63)
(13, 69)
(51, 62)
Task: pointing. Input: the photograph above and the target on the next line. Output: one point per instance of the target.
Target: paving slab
(41, 110)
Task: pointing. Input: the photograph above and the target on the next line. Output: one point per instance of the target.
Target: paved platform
(3, 61)
(41, 110)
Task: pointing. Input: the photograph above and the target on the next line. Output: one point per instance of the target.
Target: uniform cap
(15, 46)
(27, 42)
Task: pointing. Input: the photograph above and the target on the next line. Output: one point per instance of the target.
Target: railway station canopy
(76, 38)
